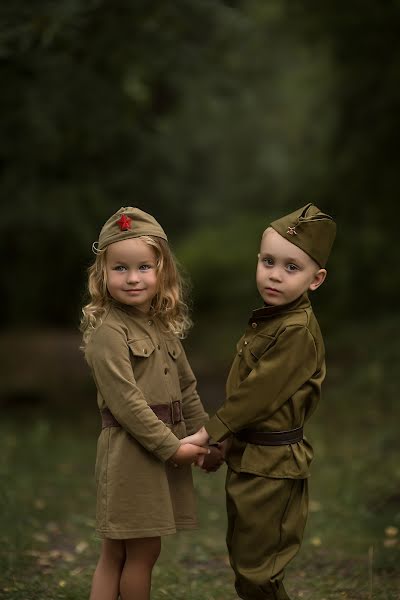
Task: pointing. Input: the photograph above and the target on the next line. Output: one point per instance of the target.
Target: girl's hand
(200, 438)
(188, 454)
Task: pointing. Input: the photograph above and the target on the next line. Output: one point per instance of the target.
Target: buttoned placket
(162, 347)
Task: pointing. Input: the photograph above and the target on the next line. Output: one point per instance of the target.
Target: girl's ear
(318, 280)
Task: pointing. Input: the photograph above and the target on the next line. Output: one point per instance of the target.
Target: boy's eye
(268, 261)
(292, 267)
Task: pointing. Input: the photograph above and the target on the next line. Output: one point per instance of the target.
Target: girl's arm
(193, 411)
(189, 453)
(108, 356)
(200, 438)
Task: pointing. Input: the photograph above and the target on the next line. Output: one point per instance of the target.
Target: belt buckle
(176, 412)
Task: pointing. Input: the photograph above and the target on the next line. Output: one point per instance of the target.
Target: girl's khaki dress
(136, 363)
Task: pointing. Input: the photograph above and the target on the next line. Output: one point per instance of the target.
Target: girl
(147, 397)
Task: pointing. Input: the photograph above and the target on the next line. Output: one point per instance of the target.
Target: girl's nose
(133, 276)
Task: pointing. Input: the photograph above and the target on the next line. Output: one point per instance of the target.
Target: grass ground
(352, 545)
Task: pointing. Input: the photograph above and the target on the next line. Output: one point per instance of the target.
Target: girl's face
(131, 268)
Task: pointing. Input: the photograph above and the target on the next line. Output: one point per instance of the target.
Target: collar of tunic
(268, 311)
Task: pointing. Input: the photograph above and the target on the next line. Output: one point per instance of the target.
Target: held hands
(215, 457)
(200, 438)
(188, 453)
(211, 462)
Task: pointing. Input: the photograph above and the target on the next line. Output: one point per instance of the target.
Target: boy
(272, 389)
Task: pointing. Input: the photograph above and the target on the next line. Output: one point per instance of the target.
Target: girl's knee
(145, 550)
(114, 551)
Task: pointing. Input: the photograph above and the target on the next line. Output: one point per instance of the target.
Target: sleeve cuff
(217, 430)
(168, 448)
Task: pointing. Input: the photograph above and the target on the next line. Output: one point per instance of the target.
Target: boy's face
(284, 271)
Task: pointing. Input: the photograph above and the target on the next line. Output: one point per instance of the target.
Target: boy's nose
(275, 274)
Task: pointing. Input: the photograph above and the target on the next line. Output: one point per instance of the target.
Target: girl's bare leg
(106, 578)
(141, 556)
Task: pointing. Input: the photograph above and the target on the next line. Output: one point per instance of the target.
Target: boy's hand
(200, 438)
(211, 462)
(188, 454)
(225, 446)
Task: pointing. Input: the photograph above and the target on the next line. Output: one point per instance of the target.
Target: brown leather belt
(167, 413)
(270, 438)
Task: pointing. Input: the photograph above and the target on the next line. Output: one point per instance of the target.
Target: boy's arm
(279, 373)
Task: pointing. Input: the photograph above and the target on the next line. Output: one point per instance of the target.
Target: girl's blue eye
(119, 268)
(144, 267)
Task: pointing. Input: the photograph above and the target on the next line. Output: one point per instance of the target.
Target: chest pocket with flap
(174, 348)
(260, 344)
(141, 348)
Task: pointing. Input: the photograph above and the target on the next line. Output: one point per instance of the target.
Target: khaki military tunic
(274, 385)
(136, 363)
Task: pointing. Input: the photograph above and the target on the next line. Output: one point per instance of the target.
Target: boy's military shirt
(274, 385)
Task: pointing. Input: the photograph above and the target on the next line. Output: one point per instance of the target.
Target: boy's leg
(266, 520)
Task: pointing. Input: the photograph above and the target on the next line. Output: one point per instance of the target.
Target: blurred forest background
(216, 117)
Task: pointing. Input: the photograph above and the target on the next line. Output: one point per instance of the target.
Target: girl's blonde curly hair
(169, 303)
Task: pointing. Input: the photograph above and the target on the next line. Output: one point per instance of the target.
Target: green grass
(48, 546)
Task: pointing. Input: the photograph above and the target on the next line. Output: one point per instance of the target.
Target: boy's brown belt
(270, 438)
(167, 413)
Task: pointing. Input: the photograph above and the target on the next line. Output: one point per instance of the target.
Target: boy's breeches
(266, 520)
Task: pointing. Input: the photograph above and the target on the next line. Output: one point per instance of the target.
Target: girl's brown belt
(167, 413)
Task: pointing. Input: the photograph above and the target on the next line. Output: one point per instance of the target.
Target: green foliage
(202, 112)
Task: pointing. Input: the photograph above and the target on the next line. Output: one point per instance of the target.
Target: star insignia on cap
(292, 231)
(124, 223)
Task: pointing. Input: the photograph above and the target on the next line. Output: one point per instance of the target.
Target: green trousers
(266, 520)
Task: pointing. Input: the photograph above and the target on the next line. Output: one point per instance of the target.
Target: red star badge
(124, 223)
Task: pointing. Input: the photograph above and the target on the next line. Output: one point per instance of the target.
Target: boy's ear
(318, 280)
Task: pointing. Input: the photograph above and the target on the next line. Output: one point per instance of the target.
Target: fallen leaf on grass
(62, 583)
(68, 557)
(315, 541)
(41, 537)
(81, 547)
(39, 504)
(76, 571)
(391, 531)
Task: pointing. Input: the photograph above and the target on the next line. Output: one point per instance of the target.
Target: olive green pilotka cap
(310, 229)
(128, 222)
